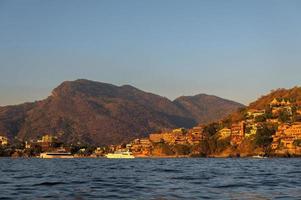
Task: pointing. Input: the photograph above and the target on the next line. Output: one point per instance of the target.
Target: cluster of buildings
(281, 105)
(236, 133)
(239, 131)
(180, 136)
(287, 138)
(46, 143)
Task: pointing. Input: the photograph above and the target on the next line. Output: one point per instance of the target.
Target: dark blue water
(150, 179)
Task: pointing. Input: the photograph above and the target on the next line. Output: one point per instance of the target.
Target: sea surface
(186, 178)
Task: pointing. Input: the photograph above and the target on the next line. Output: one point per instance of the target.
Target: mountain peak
(83, 86)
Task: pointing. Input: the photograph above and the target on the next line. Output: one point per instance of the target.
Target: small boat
(259, 157)
(60, 153)
(120, 154)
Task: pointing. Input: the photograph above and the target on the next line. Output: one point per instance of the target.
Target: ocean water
(195, 178)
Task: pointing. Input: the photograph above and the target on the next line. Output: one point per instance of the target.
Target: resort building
(237, 133)
(277, 102)
(196, 135)
(294, 130)
(48, 138)
(224, 133)
(286, 135)
(255, 113)
(145, 143)
(141, 146)
(3, 141)
(48, 142)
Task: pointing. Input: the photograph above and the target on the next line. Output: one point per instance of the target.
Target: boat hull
(119, 156)
(49, 156)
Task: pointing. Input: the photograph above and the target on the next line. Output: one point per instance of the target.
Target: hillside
(206, 108)
(293, 94)
(99, 113)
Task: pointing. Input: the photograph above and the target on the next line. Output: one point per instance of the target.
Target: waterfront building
(141, 146)
(48, 139)
(294, 130)
(48, 142)
(98, 152)
(286, 135)
(195, 135)
(3, 141)
(145, 143)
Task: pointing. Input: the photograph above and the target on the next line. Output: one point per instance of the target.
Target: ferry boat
(60, 153)
(120, 154)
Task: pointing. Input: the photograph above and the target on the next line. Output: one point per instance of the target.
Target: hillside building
(48, 142)
(224, 133)
(253, 113)
(3, 141)
(286, 135)
(237, 133)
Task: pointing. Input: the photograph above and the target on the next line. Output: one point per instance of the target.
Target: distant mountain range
(100, 113)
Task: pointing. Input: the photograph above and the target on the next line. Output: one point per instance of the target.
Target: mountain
(206, 108)
(100, 113)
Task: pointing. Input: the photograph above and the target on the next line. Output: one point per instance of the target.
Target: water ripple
(150, 179)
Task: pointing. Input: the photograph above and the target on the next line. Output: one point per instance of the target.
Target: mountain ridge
(102, 113)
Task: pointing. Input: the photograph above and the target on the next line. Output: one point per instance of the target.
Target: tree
(263, 137)
(181, 149)
(268, 113)
(297, 142)
(284, 116)
(205, 148)
(211, 129)
(260, 118)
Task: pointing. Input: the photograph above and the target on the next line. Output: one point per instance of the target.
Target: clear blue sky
(230, 48)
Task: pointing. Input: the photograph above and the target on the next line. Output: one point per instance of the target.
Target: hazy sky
(235, 49)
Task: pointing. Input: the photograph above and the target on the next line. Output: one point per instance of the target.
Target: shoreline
(171, 157)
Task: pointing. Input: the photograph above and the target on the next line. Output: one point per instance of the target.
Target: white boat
(259, 157)
(61, 153)
(120, 155)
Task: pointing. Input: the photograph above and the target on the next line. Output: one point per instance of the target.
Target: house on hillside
(253, 113)
(141, 146)
(280, 102)
(224, 133)
(3, 141)
(237, 133)
(251, 129)
(48, 142)
(286, 135)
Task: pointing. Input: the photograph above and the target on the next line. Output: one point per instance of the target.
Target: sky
(234, 49)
